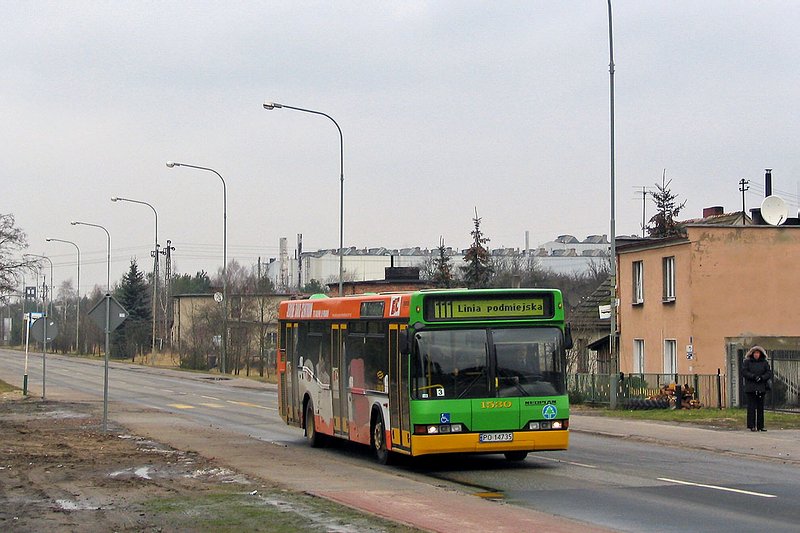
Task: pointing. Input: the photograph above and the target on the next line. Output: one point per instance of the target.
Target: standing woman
(756, 373)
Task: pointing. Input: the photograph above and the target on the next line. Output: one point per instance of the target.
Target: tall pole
(612, 342)
(273, 105)
(744, 186)
(108, 318)
(77, 293)
(155, 267)
(224, 351)
(47, 299)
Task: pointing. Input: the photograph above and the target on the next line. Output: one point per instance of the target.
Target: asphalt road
(619, 484)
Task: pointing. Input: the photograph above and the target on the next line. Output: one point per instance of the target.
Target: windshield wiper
(470, 384)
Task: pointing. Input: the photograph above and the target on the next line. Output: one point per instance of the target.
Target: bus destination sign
(491, 309)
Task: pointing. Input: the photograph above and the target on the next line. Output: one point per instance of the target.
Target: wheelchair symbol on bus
(444, 418)
(549, 411)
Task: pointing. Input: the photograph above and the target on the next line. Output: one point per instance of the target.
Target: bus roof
(382, 305)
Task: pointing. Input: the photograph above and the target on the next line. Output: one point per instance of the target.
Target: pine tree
(478, 270)
(134, 335)
(443, 270)
(663, 223)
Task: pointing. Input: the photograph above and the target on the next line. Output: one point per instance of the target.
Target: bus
(428, 372)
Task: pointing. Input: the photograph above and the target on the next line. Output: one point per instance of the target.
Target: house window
(670, 356)
(638, 356)
(638, 282)
(668, 264)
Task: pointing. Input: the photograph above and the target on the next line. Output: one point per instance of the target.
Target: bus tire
(516, 456)
(315, 440)
(378, 440)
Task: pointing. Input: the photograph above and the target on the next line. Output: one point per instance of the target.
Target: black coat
(756, 372)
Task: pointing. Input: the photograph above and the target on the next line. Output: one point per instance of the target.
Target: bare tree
(12, 241)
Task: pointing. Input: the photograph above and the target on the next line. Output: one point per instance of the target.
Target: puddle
(220, 474)
(70, 505)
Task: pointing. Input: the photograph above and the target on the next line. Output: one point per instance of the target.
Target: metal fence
(709, 389)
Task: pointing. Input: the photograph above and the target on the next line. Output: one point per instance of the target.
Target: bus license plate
(496, 437)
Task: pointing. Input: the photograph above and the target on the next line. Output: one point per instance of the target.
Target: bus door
(287, 365)
(338, 380)
(398, 390)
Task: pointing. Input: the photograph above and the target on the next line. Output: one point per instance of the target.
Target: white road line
(565, 462)
(248, 404)
(715, 487)
(210, 398)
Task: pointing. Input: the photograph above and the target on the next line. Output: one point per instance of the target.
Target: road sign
(117, 313)
(37, 329)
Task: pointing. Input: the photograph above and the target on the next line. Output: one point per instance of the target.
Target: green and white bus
(428, 372)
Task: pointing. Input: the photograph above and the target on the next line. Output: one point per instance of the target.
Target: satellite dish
(774, 210)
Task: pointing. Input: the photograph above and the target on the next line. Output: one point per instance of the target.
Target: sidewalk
(780, 444)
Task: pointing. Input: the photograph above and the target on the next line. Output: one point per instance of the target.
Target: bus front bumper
(528, 441)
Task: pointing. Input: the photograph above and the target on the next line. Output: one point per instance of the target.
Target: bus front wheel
(382, 454)
(315, 440)
(516, 456)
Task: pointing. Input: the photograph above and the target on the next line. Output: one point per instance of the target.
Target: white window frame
(670, 356)
(638, 356)
(637, 268)
(668, 265)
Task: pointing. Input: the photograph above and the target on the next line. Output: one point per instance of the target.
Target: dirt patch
(60, 472)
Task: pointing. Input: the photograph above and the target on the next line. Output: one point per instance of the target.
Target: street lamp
(224, 351)
(77, 292)
(46, 318)
(155, 266)
(273, 105)
(108, 317)
(614, 357)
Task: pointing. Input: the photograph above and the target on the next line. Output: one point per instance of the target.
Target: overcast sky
(445, 107)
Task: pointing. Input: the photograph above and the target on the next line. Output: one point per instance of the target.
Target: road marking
(212, 405)
(168, 391)
(565, 462)
(210, 398)
(247, 404)
(715, 487)
(180, 406)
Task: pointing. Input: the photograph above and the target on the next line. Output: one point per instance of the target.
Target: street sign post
(109, 317)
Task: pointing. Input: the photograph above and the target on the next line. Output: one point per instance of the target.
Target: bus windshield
(487, 363)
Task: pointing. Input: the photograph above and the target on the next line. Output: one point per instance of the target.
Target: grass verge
(267, 510)
(717, 418)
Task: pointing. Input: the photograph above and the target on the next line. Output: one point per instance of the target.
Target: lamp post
(46, 318)
(224, 351)
(155, 266)
(273, 105)
(108, 317)
(77, 292)
(612, 342)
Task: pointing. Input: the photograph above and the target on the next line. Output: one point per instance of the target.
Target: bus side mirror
(567, 337)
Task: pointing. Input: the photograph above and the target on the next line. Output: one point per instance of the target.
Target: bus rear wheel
(315, 440)
(516, 456)
(382, 454)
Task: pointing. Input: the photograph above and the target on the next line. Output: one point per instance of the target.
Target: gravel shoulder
(60, 472)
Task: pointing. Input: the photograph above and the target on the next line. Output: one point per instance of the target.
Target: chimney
(713, 211)
(768, 182)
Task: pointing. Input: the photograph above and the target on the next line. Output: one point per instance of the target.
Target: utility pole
(167, 305)
(744, 185)
(299, 263)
